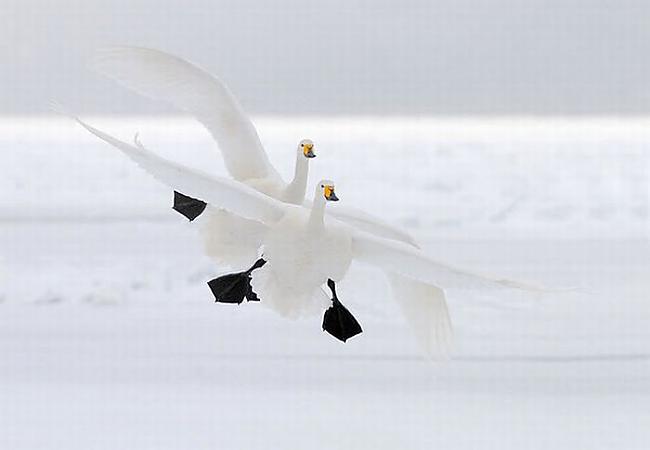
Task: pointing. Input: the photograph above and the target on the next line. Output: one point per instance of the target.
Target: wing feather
(162, 76)
(223, 193)
(370, 224)
(398, 257)
(425, 308)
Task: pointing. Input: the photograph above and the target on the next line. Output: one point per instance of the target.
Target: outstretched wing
(162, 76)
(370, 224)
(418, 281)
(425, 308)
(223, 193)
(398, 257)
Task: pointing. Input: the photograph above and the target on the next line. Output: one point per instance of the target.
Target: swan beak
(330, 195)
(308, 151)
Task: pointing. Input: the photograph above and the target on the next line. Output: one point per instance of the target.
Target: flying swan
(304, 250)
(162, 76)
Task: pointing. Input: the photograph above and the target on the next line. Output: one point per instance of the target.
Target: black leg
(337, 320)
(188, 206)
(234, 287)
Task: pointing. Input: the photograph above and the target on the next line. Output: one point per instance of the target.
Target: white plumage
(159, 75)
(162, 76)
(304, 248)
(302, 254)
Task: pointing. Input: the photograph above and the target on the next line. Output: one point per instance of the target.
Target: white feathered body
(301, 257)
(229, 240)
(234, 241)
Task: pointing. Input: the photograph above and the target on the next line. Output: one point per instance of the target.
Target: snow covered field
(109, 337)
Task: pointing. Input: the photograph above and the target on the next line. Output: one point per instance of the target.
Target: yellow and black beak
(330, 195)
(308, 150)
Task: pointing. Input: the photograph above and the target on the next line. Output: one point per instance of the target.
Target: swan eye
(302, 145)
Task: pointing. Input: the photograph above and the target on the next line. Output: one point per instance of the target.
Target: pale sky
(343, 56)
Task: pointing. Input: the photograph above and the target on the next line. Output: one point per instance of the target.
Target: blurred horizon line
(522, 128)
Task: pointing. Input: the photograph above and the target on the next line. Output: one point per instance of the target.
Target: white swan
(162, 76)
(159, 75)
(304, 249)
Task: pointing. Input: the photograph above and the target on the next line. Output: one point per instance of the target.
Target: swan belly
(299, 262)
(231, 240)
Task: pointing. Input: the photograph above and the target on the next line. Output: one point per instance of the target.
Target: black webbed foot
(235, 287)
(337, 320)
(188, 206)
(231, 288)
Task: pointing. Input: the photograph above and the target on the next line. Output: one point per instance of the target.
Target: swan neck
(317, 212)
(295, 192)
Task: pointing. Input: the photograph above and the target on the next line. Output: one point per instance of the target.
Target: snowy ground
(109, 337)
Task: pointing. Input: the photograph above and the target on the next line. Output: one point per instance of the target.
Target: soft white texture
(159, 75)
(302, 253)
(303, 248)
(230, 240)
(166, 77)
(425, 308)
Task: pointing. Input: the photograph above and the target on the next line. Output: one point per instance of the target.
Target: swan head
(306, 146)
(326, 189)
